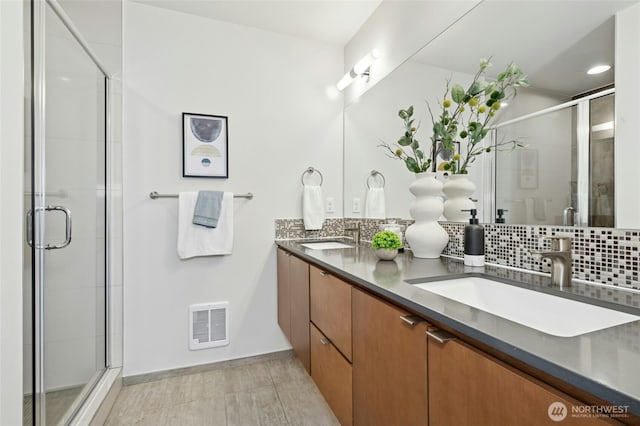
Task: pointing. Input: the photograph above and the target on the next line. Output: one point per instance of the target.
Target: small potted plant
(386, 244)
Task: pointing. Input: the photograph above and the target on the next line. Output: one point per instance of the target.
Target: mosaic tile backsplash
(601, 255)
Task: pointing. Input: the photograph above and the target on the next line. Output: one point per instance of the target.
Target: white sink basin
(544, 312)
(326, 245)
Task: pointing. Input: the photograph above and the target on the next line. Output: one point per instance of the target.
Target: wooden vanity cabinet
(389, 364)
(377, 365)
(330, 308)
(284, 293)
(467, 386)
(293, 304)
(332, 373)
(330, 313)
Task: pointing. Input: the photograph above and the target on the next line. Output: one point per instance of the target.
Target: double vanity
(430, 341)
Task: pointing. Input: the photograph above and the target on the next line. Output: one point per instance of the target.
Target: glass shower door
(67, 220)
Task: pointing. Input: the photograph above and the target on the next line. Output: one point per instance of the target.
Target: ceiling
(554, 42)
(327, 21)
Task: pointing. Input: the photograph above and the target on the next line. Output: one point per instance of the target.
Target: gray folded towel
(207, 210)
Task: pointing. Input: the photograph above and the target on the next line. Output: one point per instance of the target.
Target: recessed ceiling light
(598, 69)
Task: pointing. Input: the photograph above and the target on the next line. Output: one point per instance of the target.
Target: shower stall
(66, 205)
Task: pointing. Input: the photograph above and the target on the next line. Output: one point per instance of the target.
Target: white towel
(536, 209)
(374, 206)
(312, 207)
(195, 240)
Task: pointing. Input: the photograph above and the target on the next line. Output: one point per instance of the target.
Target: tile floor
(58, 402)
(273, 392)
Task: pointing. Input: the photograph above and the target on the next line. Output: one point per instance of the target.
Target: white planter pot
(426, 237)
(458, 189)
(386, 254)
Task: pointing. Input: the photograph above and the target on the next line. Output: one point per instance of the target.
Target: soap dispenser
(500, 218)
(473, 241)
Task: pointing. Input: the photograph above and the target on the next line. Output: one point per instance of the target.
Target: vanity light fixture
(598, 69)
(361, 68)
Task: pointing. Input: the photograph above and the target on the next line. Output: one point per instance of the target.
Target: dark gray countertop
(604, 363)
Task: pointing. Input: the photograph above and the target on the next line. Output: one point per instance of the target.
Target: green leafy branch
(408, 148)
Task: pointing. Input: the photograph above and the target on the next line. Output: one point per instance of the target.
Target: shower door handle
(67, 233)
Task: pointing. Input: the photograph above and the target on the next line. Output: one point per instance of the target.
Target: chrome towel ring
(372, 175)
(311, 170)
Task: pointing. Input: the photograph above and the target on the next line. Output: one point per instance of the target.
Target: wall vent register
(208, 325)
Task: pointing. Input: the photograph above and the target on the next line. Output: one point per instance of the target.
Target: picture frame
(205, 146)
(528, 169)
(443, 156)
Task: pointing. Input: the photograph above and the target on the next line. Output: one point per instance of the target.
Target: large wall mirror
(573, 167)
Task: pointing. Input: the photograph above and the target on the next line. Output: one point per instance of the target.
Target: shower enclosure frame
(38, 187)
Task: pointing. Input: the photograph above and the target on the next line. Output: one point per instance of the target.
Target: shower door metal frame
(38, 192)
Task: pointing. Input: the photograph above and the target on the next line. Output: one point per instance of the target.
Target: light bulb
(344, 81)
(364, 63)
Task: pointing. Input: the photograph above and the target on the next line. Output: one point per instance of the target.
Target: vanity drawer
(330, 308)
(332, 373)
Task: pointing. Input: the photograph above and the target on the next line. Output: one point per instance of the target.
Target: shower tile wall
(603, 255)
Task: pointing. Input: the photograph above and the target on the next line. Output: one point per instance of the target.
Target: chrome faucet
(560, 256)
(356, 233)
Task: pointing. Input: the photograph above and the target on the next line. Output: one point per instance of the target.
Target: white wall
(11, 164)
(272, 88)
(627, 109)
(398, 29)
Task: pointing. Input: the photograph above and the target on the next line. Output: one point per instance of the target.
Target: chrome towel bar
(155, 195)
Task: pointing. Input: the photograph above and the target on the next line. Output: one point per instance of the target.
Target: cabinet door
(299, 282)
(467, 387)
(389, 364)
(332, 374)
(284, 293)
(330, 308)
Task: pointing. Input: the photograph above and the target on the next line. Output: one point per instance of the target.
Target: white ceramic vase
(458, 189)
(426, 237)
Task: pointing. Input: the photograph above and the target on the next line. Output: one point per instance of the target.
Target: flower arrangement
(386, 240)
(465, 115)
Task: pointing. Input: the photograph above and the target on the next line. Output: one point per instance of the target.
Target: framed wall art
(205, 142)
(529, 169)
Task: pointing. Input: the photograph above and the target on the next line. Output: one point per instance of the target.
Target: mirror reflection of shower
(565, 175)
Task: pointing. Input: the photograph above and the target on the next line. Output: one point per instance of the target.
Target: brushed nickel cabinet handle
(412, 320)
(324, 274)
(324, 341)
(441, 336)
